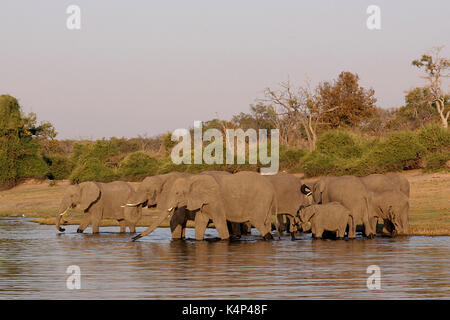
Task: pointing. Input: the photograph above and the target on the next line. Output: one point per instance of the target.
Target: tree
(352, 103)
(297, 111)
(436, 68)
(19, 149)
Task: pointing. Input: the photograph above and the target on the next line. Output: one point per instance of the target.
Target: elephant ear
(90, 193)
(203, 189)
(307, 213)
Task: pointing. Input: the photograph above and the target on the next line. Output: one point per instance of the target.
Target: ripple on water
(34, 259)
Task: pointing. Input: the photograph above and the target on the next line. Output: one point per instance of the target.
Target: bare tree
(297, 109)
(436, 68)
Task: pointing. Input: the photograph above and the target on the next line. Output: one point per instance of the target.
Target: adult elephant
(401, 182)
(350, 192)
(99, 201)
(393, 208)
(383, 184)
(386, 182)
(154, 191)
(238, 198)
(289, 197)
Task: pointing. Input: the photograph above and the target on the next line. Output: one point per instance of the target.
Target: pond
(34, 260)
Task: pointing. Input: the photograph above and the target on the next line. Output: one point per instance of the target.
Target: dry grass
(429, 203)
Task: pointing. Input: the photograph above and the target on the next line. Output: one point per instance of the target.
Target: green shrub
(290, 158)
(92, 169)
(60, 167)
(32, 166)
(338, 143)
(434, 137)
(437, 161)
(400, 150)
(316, 163)
(137, 166)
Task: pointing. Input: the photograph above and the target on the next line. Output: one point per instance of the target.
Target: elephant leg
(123, 226)
(281, 224)
(246, 228)
(373, 224)
(132, 227)
(351, 228)
(95, 225)
(265, 229)
(177, 229)
(85, 222)
(183, 230)
(222, 228)
(201, 223)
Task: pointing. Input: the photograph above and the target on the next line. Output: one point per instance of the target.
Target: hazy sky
(147, 67)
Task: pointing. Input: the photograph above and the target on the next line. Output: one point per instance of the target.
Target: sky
(149, 67)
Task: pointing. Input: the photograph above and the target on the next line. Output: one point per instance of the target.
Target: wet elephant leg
(264, 229)
(221, 226)
(85, 222)
(177, 229)
(95, 225)
(201, 223)
(123, 225)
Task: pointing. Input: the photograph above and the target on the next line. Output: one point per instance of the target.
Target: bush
(32, 166)
(290, 158)
(316, 163)
(399, 151)
(434, 138)
(338, 143)
(137, 166)
(437, 161)
(92, 169)
(60, 167)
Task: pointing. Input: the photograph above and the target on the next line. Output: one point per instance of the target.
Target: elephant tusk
(61, 214)
(308, 194)
(170, 209)
(130, 205)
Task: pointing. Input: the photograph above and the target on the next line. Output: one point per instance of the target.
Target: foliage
(137, 166)
(92, 169)
(437, 161)
(19, 148)
(352, 103)
(60, 166)
(434, 138)
(338, 143)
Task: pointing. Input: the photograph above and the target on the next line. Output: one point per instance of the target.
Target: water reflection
(34, 259)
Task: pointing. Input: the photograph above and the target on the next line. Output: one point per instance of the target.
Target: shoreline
(429, 203)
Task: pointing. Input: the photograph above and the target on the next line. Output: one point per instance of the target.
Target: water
(34, 260)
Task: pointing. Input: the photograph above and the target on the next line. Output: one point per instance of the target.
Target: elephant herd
(236, 202)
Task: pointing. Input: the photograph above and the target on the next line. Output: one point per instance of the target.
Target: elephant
(393, 208)
(289, 197)
(240, 197)
(331, 216)
(386, 182)
(381, 184)
(350, 192)
(154, 192)
(99, 201)
(401, 182)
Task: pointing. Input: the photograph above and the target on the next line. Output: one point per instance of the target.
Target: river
(34, 260)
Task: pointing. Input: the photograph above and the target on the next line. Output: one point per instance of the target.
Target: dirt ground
(429, 202)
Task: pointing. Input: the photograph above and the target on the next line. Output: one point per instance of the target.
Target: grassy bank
(429, 203)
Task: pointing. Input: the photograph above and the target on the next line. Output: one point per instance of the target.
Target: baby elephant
(331, 216)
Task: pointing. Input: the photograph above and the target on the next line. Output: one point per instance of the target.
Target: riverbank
(429, 203)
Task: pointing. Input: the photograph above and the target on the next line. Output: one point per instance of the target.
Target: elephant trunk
(163, 215)
(59, 219)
